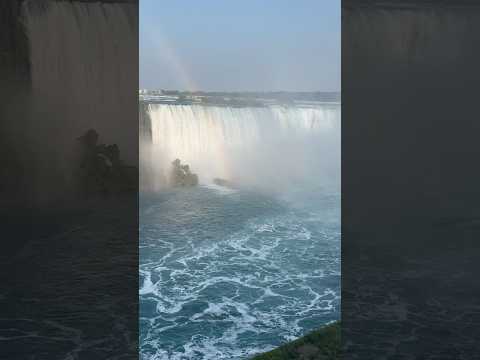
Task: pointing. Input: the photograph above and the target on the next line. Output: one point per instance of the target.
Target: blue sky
(235, 45)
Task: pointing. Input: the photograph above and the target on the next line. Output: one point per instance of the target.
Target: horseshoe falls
(230, 271)
(268, 147)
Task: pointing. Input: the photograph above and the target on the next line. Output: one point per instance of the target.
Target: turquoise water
(226, 273)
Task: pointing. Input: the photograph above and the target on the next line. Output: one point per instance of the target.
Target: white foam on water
(220, 189)
(281, 280)
(217, 294)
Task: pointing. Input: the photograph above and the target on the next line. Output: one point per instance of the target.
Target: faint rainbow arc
(174, 61)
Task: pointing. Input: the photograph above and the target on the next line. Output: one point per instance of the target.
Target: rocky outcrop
(223, 182)
(101, 170)
(182, 176)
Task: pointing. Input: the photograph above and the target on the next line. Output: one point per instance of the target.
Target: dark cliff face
(145, 126)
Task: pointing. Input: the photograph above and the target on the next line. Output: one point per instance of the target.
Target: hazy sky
(229, 45)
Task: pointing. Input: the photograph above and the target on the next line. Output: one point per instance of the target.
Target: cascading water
(412, 89)
(65, 273)
(77, 51)
(265, 146)
(227, 272)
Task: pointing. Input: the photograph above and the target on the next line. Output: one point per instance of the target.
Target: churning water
(229, 272)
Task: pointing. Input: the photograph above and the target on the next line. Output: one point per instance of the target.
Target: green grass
(322, 344)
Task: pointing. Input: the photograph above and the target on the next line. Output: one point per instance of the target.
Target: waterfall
(270, 146)
(408, 33)
(407, 63)
(83, 65)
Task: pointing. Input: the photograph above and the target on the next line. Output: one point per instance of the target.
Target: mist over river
(227, 272)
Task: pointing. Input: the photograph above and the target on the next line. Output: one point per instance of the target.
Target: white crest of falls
(200, 127)
(234, 142)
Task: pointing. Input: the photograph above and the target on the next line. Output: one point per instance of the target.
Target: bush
(322, 344)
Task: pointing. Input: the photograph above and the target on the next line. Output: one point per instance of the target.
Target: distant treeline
(282, 96)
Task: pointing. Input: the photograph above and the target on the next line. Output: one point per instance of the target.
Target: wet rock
(182, 175)
(223, 182)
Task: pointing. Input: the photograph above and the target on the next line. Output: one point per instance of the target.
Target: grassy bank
(322, 344)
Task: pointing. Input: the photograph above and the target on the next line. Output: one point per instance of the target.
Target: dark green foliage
(323, 344)
(100, 170)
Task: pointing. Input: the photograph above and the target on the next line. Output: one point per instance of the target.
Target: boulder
(181, 175)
